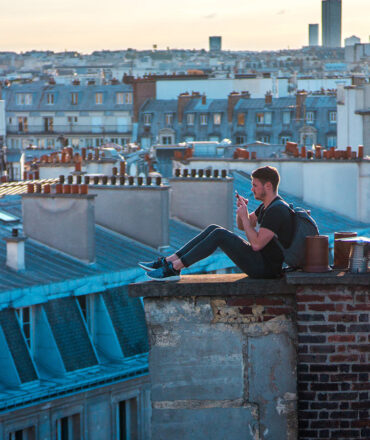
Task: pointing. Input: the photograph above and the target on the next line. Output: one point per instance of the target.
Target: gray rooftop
(62, 97)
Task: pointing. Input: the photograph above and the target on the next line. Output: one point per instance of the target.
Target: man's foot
(164, 273)
(151, 265)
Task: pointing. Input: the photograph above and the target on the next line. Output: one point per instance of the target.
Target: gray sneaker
(151, 265)
(164, 273)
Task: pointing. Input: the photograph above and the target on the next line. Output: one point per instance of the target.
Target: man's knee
(211, 228)
(220, 234)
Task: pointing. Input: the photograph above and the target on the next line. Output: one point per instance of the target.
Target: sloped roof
(62, 97)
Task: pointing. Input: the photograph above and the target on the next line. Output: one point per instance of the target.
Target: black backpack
(304, 225)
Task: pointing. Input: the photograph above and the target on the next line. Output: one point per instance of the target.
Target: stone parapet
(230, 357)
(222, 358)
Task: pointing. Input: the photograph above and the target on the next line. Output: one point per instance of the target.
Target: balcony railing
(69, 129)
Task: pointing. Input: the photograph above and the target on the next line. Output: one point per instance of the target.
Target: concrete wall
(350, 125)
(63, 221)
(204, 201)
(226, 352)
(222, 367)
(220, 88)
(140, 212)
(55, 170)
(341, 186)
(98, 410)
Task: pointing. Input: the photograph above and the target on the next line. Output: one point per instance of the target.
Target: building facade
(331, 23)
(47, 115)
(354, 117)
(303, 119)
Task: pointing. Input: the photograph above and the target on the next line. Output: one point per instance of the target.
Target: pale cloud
(281, 12)
(210, 16)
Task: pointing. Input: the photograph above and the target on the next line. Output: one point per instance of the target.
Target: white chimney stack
(15, 251)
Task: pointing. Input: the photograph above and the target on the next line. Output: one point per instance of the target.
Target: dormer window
(203, 119)
(74, 98)
(99, 98)
(147, 119)
(24, 99)
(25, 320)
(217, 119)
(50, 98)
(190, 119)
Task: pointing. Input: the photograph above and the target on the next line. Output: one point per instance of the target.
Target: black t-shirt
(277, 218)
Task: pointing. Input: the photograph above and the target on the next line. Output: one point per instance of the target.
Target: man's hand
(242, 211)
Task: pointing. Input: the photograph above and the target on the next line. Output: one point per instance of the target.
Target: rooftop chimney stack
(65, 222)
(15, 251)
(268, 98)
(232, 100)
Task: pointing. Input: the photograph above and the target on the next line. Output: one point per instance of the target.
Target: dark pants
(238, 250)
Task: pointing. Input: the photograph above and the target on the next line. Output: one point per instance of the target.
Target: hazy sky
(87, 25)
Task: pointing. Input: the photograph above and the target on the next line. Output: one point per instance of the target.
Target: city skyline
(85, 27)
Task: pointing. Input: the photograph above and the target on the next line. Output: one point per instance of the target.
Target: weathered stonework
(222, 367)
(232, 370)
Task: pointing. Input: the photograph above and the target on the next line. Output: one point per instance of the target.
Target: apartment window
(217, 119)
(284, 139)
(25, 320)
(128, 98)
(147, 119)
(264, 138)
(23, 124)
(69, 428)
(331, 141)
(50, 98)
(286, 117)
(166, 140)
(268, 118)
(241, 118)
(10, 120)
(48, 124)
(72, 119)
(333, 117)
(203, 119)
(119, 98)
(240, 140)
(260, 118)
(23, 434)
(127, 420)
(24, 98)
(190, 119)
(169, 119)
(99, 98)
(74, 98)
(310, 117)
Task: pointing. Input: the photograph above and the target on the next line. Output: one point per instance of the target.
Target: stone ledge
(241, 284)
(212, 286)
(335, 277)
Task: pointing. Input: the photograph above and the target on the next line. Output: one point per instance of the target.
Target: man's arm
(258, 240)
(252, 216)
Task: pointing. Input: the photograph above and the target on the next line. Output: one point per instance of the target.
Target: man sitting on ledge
(260, 256)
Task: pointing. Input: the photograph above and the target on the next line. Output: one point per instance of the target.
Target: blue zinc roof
(62, 101)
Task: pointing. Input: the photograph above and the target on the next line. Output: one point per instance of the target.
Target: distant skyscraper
(313, 34)
(331, 23)
(215, 44)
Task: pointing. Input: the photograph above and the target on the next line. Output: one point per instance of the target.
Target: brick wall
(333, 362)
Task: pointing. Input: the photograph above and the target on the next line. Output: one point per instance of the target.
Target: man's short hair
(267, 174)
